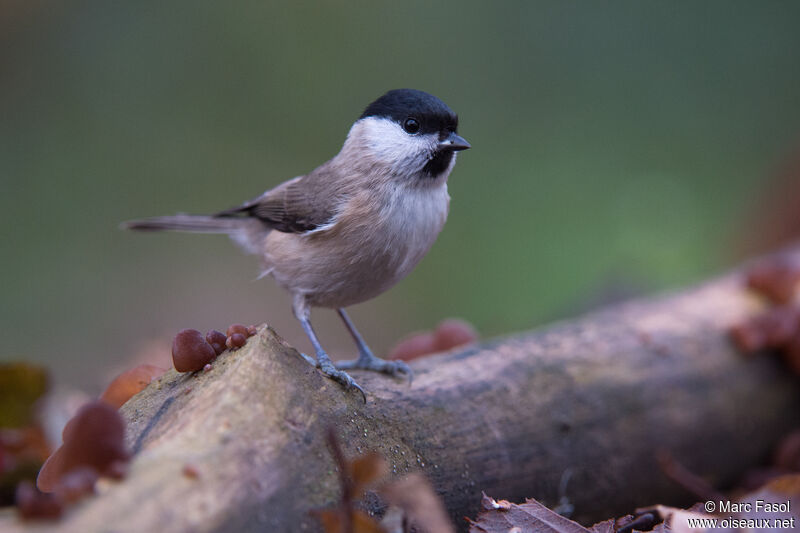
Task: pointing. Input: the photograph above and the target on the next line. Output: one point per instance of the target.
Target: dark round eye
(411, 125)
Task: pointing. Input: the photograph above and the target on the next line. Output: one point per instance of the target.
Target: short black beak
(455, 143)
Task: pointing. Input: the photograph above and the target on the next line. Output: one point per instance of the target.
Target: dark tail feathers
(198, 223)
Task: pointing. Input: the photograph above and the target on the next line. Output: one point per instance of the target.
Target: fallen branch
(592, 399)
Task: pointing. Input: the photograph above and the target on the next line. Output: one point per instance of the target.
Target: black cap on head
(400, 104)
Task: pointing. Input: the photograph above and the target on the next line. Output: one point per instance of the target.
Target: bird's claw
(343, 378)
(399, 369)
(310, 360)
(393, 368)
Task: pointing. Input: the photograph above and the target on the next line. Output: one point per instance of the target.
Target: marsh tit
(354, 226)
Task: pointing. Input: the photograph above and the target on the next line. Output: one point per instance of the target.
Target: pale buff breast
(361, 254)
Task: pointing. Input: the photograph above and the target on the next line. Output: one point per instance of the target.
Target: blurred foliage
(615, 145)
(21, 385)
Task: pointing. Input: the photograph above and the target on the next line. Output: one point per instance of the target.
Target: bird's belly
(357, 259)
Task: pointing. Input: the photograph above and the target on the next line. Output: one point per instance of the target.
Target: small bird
(354, 226)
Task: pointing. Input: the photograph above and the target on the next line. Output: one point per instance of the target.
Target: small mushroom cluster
(777, 328)
(192, 351)
(129, 383)
(94, 447)
(449, 334)
(93, 440)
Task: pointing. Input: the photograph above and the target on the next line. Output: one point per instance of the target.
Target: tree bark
(589, 400)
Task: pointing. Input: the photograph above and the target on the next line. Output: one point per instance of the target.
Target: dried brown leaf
(777, 500)
(363, 523)
(530, 516)
(646, 521)
(606, 526)
(678, 520)
(333, 521)
(416, 497)
(490, 503)
(367, 469)
(354, 477)
(785, 486)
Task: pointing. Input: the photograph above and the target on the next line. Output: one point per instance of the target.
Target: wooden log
(591, 400)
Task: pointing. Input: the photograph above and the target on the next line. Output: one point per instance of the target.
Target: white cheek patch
(393, 147)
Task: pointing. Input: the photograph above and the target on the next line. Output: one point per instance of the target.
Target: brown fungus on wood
(95, 437)
(190, 471)
(414, 346)
(747, 337)
(776, 278)
(76, 484)
(777, 328)
(131, 382)
(453, 332)
(237, 328)
(190, 351)
(237, 340)
(449, 334)
(35, 505)
(217, 340)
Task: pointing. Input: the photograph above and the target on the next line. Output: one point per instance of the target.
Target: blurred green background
(617, 147)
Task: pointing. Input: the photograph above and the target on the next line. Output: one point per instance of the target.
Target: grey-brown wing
(296, 206)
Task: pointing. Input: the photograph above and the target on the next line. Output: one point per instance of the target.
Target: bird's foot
(310, 360)
(370, 362)
(341, 377)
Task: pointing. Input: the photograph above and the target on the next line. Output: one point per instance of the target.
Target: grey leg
(323, 361)
(366, 360)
